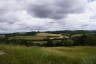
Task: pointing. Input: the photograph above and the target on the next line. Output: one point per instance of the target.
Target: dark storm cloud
(40, 10)
(55, 9)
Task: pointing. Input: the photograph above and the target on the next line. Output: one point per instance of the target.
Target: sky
(47, 15)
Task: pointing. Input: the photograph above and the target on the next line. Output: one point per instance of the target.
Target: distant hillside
(52, 32)
(72, 32)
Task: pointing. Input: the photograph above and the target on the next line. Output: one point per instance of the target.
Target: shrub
(68, 42)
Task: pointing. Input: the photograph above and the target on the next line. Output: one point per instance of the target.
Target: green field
(39, 36)
(47, 55)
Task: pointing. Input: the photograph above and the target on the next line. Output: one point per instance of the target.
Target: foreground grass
(47, 55)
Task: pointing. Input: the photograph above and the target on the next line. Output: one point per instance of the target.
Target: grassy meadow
(48, 48)
(48, 55)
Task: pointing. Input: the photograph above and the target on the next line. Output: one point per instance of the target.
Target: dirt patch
(2, 52)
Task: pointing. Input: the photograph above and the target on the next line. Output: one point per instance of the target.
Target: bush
(68, 42)
(49, 42)
(91, 40)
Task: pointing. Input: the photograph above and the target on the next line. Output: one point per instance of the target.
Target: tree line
(82, 40)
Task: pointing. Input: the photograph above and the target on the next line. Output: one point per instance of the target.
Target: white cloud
(18, 15)
(85, 21)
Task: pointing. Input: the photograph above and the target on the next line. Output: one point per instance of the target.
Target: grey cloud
(40, 11)
(30, 13)
(33, 28)
(55, 9)
(8, 10)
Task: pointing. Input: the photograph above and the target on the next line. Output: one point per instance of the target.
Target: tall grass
(41, 55)
(89, 60)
